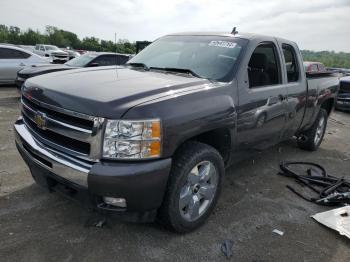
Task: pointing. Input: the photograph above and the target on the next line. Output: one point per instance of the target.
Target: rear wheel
(193, 188)
(312, 138)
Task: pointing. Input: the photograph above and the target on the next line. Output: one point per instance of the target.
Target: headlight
(132, 139)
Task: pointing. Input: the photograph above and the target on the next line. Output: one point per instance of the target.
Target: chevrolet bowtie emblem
(40, 120)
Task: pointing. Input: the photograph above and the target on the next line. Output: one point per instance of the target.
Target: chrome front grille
(73, 133)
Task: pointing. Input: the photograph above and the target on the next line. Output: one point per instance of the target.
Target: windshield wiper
(139, 65)
(179, 70)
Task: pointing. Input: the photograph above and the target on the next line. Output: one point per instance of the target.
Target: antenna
(116, 59)
(234, 31)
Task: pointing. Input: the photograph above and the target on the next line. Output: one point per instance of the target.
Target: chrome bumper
(62, 165)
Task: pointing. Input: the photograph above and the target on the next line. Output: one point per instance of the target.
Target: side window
(263, 67)
(37, 47)
(105, 60)
(122, 59)
(321, 68)
(292, 67)
(7, 53)
(314, 68)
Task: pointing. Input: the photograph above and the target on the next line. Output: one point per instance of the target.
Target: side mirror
(93, 65)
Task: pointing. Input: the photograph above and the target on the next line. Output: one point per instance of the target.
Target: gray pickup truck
(151, 140)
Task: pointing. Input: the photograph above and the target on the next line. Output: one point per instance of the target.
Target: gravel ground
(38, 226)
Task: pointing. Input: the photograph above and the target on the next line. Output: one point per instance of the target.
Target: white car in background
(14, 59)
(57, 55)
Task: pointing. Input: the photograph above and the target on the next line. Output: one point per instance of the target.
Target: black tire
(185, 159)
(307, 139)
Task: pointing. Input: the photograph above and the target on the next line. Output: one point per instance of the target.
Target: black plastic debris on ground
(226, 248)
(324, 189)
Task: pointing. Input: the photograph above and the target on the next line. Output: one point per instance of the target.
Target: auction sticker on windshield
(225, 44)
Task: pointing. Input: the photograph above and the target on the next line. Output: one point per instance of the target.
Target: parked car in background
(57, 55)
(80, 51)
(314, 67)
(87, 60)
(152, 139)
(13, 59)
(72, 53)
(343, 71)
(343, 99)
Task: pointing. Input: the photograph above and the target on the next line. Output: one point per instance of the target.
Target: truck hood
(107, 91)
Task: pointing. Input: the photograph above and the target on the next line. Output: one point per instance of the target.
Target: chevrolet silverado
(150, 140)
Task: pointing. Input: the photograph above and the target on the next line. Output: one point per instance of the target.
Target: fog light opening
(113, 201)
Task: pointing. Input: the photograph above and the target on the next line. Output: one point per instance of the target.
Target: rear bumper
(142, 184)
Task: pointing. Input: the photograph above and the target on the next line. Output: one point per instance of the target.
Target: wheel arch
(219, 138)
(328, 105)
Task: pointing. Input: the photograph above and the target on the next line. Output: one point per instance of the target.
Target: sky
(313, 24)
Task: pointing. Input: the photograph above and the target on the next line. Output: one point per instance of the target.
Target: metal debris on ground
(278, 232)
(327, 190)
(337, 219)
(226, 248)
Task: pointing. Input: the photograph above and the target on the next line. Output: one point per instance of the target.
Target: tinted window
(7, 53)
(107, 60)
(263, 67)
(291, 63)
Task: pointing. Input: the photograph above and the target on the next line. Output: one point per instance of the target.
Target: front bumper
(142, 184)
(343, 102)
(56, 59)
(19, 82)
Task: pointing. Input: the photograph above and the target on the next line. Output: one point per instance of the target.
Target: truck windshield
(81, 61)
(210, 57)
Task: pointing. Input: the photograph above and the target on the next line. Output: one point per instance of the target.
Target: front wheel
(193, 188)
(312, 138)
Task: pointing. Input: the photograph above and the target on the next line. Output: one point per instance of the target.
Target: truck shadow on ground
(254, 201)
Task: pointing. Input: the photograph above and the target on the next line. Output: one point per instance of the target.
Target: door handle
(21, 64)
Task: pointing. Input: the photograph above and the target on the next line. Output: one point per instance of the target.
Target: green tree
(62, 38)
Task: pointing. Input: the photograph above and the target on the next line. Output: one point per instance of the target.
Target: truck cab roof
(244, 35)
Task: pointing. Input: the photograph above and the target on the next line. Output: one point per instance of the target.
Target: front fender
(186, 115)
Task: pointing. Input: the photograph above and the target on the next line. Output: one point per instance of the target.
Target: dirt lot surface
(38, 226)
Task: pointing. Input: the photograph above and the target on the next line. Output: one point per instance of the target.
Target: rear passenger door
(11, 61)
(296, 87)
(261, 113)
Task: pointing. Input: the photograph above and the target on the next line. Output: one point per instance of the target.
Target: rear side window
(263, 67)
(7, 53)
(292, 67)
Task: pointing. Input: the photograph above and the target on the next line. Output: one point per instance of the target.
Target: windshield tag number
(225, 44)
